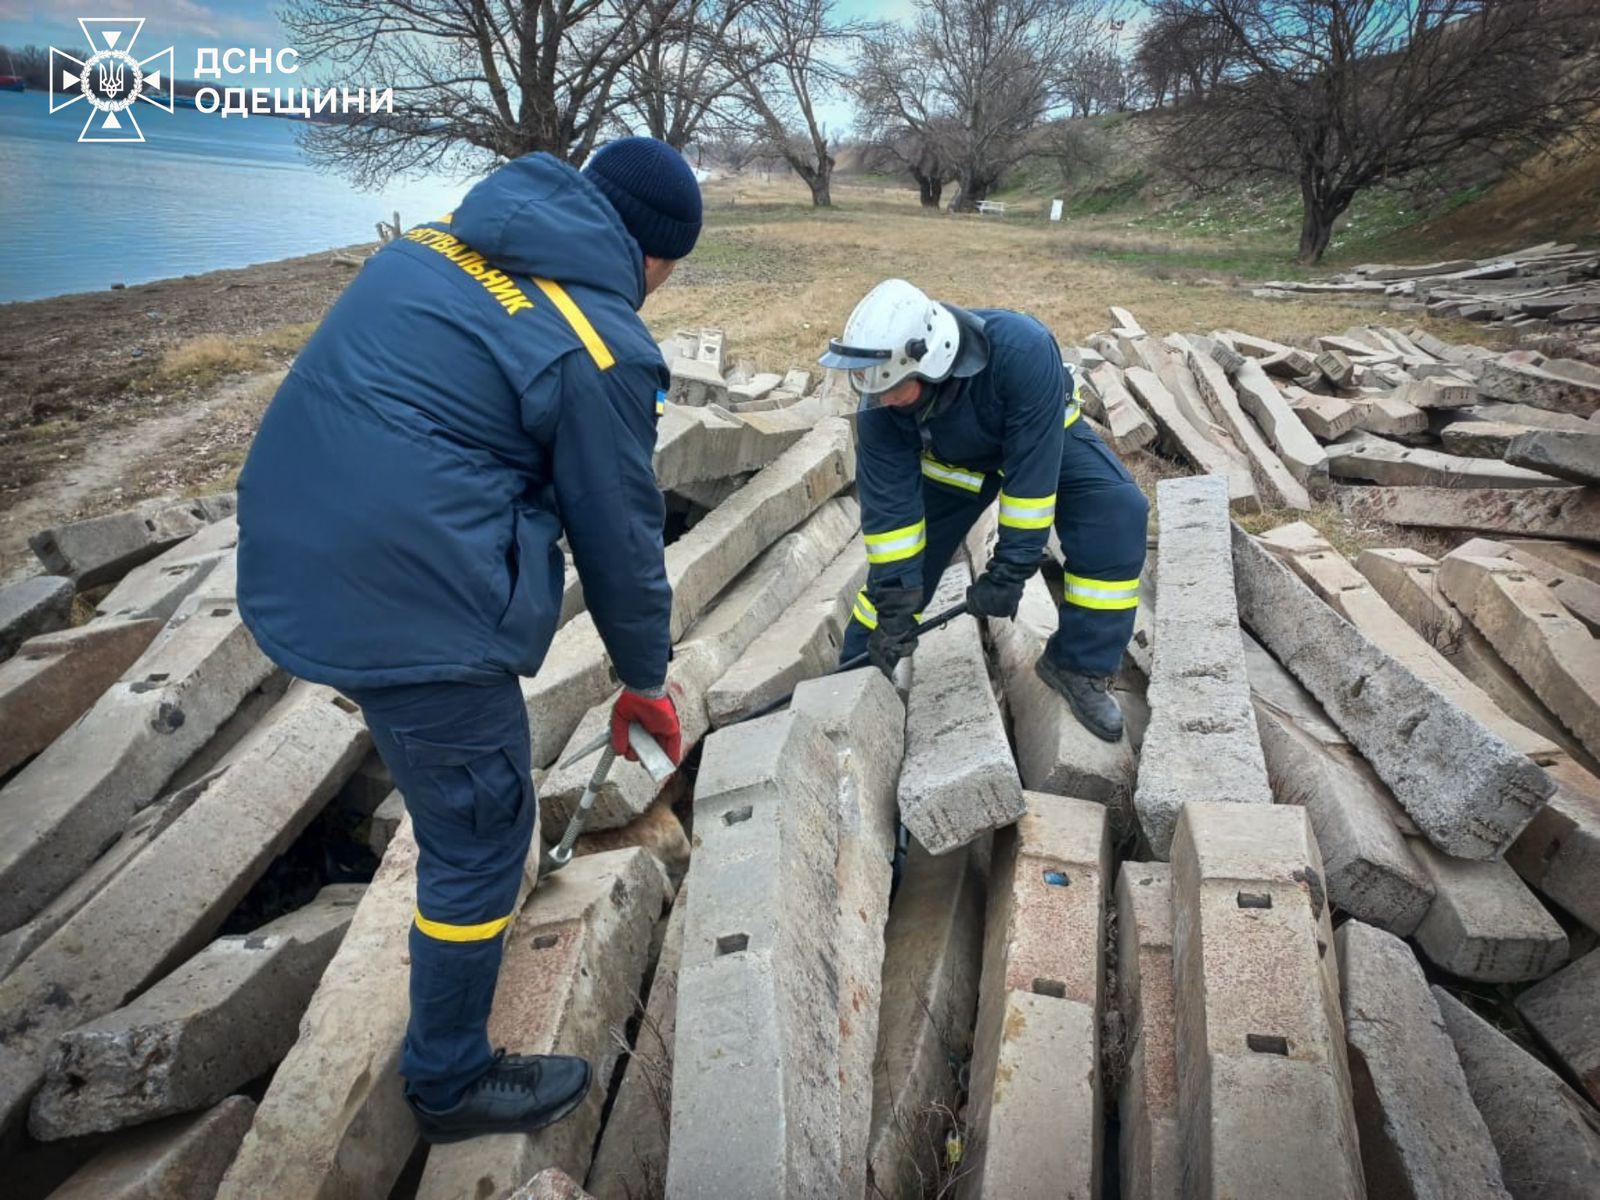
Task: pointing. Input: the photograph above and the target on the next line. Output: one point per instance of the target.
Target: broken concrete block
(1034, 1107)
(800, 644)
(1381, 413)
(1480, 439)
(958, 780)
(862, 716)
(1274, 357)
(1549, 647)
(1525, 415)
(756, 1067)
(757, 387)
(1577, 561)
(1055, 753)
(1260, 1040)
(384, 823)
(1335, 366)
(67, 804)
(696, 383)
(1295, 446)
(1547, 1137)
(56, 677)
(575, 676)
(1578, 595)
(152, 916)
(1327, 417)
(1192, 443)
(550, 1184)
(1559, 851)
(1347, 592)
(933, 954)
(178, 1159)
(1147, 1110)
(1574, 456)
(156, 588)
(705, 560)
(1277, 485)
(1421, 1134)
(1367, 458)
(42, 604)
(1563, 1014)
(1371, 874)
(1202, 742)
(1525, 383)
(631, 1156)
(103, 549)
(1130, 428)
(657, 830)
(699, 444)
(1572, 512)
(337, 1097)
(1484, 923)
(762, 594)
(1468, 790)
(1409, 582)
(1437, 391)
(223, 1018)
(574, 958)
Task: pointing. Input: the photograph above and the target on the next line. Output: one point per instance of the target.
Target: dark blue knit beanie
(653, 191)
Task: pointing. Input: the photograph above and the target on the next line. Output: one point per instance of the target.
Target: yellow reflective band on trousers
(441, 931)
(1025, 512)
(569, 309)
(864, 611)
(893, 545)
(1106, 594)
(961, 477)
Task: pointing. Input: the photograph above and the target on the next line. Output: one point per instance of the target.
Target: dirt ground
(110, 397)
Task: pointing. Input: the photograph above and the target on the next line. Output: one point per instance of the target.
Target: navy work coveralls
(1011, 432)
(483, 385)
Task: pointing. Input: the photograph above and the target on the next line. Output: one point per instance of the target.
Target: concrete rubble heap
(891, 938)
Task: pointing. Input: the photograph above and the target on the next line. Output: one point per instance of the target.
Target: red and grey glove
(656, 712)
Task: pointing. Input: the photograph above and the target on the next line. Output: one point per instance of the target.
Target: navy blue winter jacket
(1008, 418)
(483, 385)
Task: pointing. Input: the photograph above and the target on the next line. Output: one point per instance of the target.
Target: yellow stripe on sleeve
(568, 307)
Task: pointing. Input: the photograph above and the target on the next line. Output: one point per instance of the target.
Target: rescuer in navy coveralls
(960, 409)
(484, 386)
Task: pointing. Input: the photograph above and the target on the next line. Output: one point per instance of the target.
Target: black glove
(995, 593)
(895, 635)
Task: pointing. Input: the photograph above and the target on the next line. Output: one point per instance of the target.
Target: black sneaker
(517, 1094)
(1089, 697)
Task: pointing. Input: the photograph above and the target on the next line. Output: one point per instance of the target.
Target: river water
(199, 194)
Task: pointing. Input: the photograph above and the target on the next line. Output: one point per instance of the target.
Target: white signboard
(1055, 210)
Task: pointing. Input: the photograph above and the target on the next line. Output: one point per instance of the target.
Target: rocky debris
(42, 604)
(157, 587)
(56, 677)
(1276, 482)
(959, 779)
(574, 958)
(1108, 401)
(1421, 1134)
(1529, 512)
(1260, 1041)
(104, 549)
(1465, 787)
(1484, 923)
(226, 1016)
(1035, 1093)
(1559, 851)
(1547, 1136)
(177, 1158)
(1562, 1013)
(1202, 743)
(1367, 458)
(1148, 1105)
(1574, 456)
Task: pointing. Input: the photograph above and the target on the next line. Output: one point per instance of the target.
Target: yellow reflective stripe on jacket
(896, 544)
(864, 610)
(1024, 512)
(568, 308)
(1074, 411)
(961, 477)
(441, 931)
(1101, 593)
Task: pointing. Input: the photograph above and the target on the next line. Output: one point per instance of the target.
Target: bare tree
(475, 81)
(1345, 95)
(1184, 50)
(798, 40)
(1096, 82)
(899, 114)
(690, 66)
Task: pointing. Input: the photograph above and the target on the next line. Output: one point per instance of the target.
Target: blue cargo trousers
(460, 755)
(1100, 520)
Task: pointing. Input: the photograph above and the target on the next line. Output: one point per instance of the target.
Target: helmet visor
(853, 358)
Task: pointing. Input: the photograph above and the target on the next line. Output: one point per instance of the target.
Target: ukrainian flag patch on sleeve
(661, 401)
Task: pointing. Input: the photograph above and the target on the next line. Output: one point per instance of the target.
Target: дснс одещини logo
(111, 79)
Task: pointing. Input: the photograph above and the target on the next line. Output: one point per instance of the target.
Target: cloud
(166, 18)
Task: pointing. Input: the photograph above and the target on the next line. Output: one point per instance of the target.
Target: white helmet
(894, 333)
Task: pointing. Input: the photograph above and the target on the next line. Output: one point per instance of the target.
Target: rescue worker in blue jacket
(959, 409)
(483, 387)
